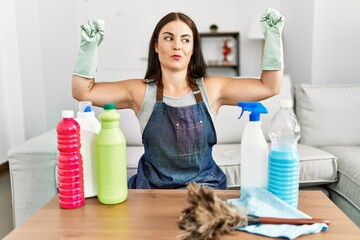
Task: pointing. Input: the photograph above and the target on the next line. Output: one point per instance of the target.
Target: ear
(156, 47)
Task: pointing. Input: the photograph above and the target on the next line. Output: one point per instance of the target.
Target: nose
(176, 46)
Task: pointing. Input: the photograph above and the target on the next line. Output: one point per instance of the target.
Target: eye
(185, 40)
(168, 38)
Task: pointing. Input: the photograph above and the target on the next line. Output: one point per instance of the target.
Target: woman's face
(175, 46)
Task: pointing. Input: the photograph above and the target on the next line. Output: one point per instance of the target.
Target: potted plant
(213, 28)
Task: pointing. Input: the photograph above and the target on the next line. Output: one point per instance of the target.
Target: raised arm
(229, 91)
(125, 94)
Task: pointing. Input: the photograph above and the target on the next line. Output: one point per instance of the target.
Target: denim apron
(178, 145)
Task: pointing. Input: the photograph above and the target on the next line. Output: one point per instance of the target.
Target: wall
(298, 40)
(47, 49)
(12, 129)
(31, 65)
(319, 42)
(59, 46)
(336, 47)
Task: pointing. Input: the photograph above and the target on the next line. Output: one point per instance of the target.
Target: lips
(176, 56)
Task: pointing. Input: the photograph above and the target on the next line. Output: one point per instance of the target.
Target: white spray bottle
(89, 129)
(254, 149)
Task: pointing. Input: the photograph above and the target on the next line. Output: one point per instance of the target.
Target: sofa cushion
(316, 166)
(348, 185)
(227, 156)
(133, 155)
(229, 128)
(328, 115)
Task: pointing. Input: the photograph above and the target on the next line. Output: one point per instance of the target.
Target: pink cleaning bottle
(70, 167)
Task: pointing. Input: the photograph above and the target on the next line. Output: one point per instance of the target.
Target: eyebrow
(184, 35)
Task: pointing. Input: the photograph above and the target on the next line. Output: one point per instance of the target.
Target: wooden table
(153, 214)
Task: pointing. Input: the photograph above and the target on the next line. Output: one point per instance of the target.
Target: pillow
(328, 115)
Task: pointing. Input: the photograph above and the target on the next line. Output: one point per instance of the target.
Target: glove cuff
(273, 57)
(86, 63)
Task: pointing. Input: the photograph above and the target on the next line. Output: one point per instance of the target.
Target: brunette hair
(197, 66)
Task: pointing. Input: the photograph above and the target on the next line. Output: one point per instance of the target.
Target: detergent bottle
(111, 158)
(254, 148)
(284, 158)
(89, 129)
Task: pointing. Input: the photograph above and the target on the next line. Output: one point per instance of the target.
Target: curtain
(12, 130)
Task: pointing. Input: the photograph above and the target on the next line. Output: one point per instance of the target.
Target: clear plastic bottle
(284, 158)
(111, 158)
(70, 171)
(89, 128)
(254, 149)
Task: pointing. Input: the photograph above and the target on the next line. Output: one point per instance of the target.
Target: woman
(176, 102)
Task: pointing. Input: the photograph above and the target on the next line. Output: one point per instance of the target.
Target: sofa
(329, 120)
(329, 148)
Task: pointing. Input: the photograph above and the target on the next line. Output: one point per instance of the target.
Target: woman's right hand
(92, 34)
(272, 24)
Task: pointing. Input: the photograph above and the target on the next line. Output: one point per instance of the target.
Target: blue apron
(178, 145)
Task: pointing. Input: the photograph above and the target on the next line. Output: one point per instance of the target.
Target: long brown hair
(197, 66)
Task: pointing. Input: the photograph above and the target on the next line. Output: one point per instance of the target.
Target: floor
(6, 223)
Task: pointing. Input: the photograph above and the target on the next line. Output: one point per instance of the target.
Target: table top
(154, 214)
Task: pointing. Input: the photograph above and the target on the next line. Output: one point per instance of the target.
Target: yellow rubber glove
(92, 34)
(272, 24)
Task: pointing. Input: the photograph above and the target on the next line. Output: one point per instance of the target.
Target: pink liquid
(70, 168)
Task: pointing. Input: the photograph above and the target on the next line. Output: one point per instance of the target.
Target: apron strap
(197, 93)
(195, 89)
(159, 93)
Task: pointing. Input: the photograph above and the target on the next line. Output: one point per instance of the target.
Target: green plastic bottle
(111, 158)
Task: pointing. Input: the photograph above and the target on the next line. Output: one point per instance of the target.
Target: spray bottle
(254, 148)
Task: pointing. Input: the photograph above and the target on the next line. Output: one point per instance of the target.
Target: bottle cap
(67, 114)
(85, 106)
(286, 103)
(109, 106)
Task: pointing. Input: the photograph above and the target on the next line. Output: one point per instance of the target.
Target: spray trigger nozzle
(242, 112)
(255, 109)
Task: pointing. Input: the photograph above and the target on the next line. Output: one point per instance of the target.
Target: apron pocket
(190, 138)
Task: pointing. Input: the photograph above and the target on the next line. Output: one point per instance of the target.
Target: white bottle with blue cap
(89, 129)
(254, 148)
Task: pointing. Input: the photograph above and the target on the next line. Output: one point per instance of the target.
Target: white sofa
(32, 164)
